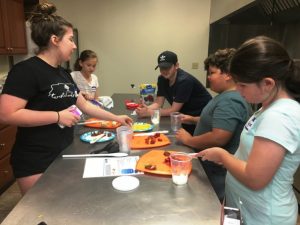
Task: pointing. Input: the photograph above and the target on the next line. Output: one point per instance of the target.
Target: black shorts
(27, 161)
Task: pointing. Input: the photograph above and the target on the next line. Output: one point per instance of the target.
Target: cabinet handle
(2, 145)
(4, 171)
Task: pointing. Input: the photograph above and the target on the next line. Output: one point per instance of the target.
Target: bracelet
(58, 117)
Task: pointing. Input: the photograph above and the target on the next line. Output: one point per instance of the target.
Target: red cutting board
(102, 124)
(157, 158)
(139, 142)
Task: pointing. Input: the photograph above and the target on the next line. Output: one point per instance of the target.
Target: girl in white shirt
(83, 76)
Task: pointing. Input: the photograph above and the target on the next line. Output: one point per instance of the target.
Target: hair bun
(46, 8)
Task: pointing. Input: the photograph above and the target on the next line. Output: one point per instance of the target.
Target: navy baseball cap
(166, 59)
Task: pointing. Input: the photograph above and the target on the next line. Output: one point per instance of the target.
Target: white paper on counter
(106, 167)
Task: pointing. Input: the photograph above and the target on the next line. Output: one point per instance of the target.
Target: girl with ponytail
(38, 96)
(86, 81)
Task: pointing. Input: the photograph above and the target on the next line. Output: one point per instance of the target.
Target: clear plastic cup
(155, 116)
(181, 166)
(175, 121)
(124, 136)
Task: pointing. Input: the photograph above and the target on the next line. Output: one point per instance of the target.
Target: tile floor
(11, 197)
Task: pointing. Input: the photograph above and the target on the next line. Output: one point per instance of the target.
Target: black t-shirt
(45, 88)
(186, 89)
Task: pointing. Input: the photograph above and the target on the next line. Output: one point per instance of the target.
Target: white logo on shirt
(62, 90)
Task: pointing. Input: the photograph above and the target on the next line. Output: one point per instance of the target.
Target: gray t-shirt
(227, 111)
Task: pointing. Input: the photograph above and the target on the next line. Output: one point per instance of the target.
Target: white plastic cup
(155, 116)
(175, 121)
(124, 136)
(181, 166)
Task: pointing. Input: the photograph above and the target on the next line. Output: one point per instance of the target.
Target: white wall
(221, 8)
(129, 35)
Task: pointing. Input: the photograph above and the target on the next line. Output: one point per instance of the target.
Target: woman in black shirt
(37, 97)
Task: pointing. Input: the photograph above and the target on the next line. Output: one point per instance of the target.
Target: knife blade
(89, 122)
(95, 139)
(152, 133)
(116, 154)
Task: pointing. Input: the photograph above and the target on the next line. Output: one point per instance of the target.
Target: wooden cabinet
(7, 139)
(12, 27)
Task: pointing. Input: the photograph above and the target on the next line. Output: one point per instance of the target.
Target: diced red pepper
(150, 167)
(166, 153)
(156, 135)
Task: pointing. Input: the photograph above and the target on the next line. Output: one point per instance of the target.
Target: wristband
(58, 117)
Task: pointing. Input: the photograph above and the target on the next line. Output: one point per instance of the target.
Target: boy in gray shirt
(221, 121)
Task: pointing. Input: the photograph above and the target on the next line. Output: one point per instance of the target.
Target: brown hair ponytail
(263, 57)
(292, 82)
(44, 23)
(84, 55)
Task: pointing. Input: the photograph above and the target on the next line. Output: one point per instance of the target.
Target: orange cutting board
(139, 142)
(157, 158)
(102, 124)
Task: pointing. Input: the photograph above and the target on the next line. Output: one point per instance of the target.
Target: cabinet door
(16, 24)
(13, 24)
(3, 29)
(6, 173)
(7, 139)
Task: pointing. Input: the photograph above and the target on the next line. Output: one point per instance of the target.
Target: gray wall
(221, 8)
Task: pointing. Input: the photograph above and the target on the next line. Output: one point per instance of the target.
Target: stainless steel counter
(63, 197)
